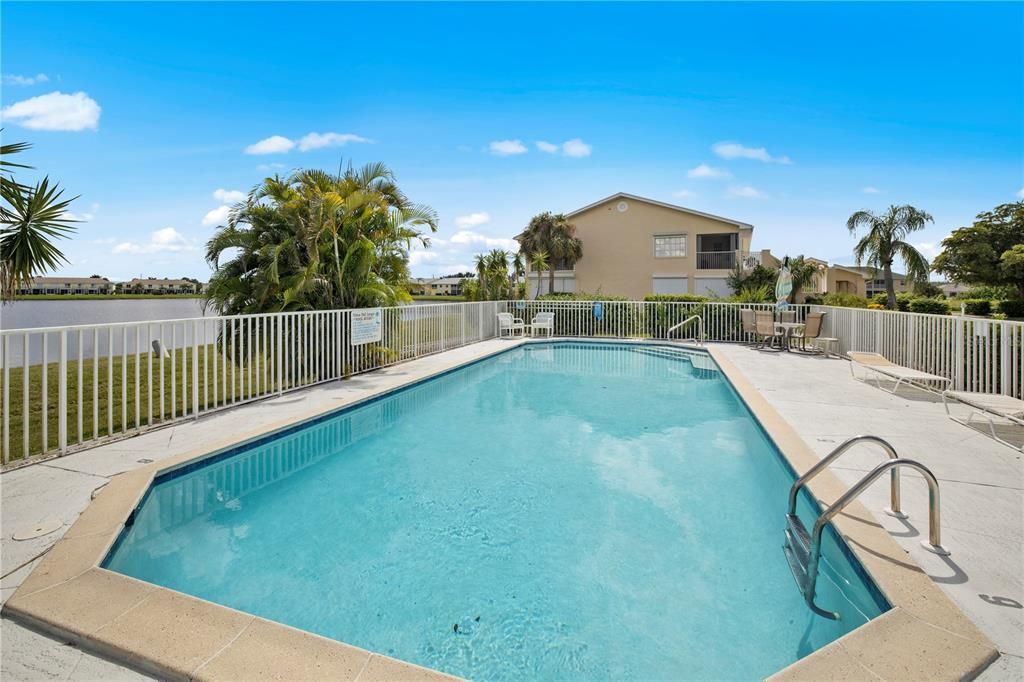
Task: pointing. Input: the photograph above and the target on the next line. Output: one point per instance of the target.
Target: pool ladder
(699, 339)
(803, 548)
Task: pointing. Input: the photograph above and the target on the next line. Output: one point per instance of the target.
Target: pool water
(564, 511)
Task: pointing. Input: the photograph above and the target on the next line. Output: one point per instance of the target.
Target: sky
(787, 116)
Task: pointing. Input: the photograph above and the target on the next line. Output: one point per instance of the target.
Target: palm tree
(802, 272)
(553, 234)
(539, 263)
(30, 219)
(885, 241)
(518, 271)
(317, 241)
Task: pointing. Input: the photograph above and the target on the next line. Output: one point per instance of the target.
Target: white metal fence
(64, 388)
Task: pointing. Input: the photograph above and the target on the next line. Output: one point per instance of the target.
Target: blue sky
(789, 117)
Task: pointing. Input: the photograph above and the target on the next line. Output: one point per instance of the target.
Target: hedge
(675, 298)
(1012, 308)
(977, 306)
(930, 306)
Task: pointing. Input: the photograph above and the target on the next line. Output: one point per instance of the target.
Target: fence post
(195, 370)
(279, 353)
(62, 394)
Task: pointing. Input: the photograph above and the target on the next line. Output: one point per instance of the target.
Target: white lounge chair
(881, 365)
(509, 324)
(543, 322)
(989, 406)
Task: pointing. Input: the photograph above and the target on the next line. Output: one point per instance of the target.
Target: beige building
(67, 285)
(831, 279)
(441, 286)
(876, 282)
(634, 246)
(160, 286)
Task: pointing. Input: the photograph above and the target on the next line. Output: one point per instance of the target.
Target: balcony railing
(716, 260)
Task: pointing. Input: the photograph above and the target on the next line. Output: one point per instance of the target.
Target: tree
(553, 234)
(885, 241)
(989, 252)
(31, 218)
(754, 279)
(802, 272)
(493, 280)
(539, 263)
(316, 241)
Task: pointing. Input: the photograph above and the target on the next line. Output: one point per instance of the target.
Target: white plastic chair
(509, 324)
(543, 322)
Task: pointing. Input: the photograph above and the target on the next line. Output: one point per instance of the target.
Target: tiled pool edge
(175, 636)
(924, 636)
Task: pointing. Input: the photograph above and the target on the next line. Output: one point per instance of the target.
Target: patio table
(787, 332)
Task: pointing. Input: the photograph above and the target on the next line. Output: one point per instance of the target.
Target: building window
(670, 246)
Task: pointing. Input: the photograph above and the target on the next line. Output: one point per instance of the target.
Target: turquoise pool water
(565, 511)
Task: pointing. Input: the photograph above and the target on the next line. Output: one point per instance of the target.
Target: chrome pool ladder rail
(803, 549)
(700, 326)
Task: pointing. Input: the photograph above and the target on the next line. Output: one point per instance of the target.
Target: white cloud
(228, 196)
(275, 144)
(746, 192)
(735, 150)
(1020, 192)
(417, 257)
(15, 79)
(507, 147)
(217, 216)
(270, 166)
(929, 249)
(871, 190)
(576, 148)
(470, 238)
(320, 140)
(167, 239)
(473, 219)
(85, 216)
(684, 194)
(706, 172)
(55, 111)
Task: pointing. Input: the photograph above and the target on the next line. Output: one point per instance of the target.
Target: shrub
(675, 298)
(992, 293)
(977, 306)
(902, 301)
(930, 306)
(761, 294)
(875, 306)
(813, 300)
(845, 301)
(1012, 308)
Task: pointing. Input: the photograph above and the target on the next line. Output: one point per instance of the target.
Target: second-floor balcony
(717, 260)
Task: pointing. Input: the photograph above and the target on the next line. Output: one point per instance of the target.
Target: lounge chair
(747, 325)
(881, 365)
(765, 330)
(507, 323)
(811, 330)
(543, 322)
(989, 406)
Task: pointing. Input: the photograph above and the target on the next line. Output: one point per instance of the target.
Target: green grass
(96, 297)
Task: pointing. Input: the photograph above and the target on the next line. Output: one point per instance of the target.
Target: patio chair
(510, 325)
(543, 322)
(764, 329)
(990, 406)
(811, 330)
(788, 316)
(747, 326)
(882, 366)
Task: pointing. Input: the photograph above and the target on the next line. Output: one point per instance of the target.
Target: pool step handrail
(700, 326)
(803, 549)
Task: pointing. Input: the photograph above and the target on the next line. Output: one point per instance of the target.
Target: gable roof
(681, 209)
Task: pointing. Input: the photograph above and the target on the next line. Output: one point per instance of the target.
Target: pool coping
(176, 636)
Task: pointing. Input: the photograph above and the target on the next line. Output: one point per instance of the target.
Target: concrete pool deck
(982, 486)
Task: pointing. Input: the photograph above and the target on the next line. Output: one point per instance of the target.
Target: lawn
(97, 297)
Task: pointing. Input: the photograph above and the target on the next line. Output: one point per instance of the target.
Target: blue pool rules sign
(366, 326)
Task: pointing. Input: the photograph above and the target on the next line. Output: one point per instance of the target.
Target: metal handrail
(894, 492)
(691, 318)
(934, 543)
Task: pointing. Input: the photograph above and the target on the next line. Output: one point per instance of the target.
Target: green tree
(316, 241)
(802, 272)
(989, 252)
(539, 263)
(886, 240)
(31, 219)
(754, 279)
(553, 234)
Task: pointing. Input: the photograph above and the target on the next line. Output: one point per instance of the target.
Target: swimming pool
(558, 511)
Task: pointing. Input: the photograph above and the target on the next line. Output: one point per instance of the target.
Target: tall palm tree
(31, 218)
(518, 270)
(556, 236)
(539, 263)
(886, 240)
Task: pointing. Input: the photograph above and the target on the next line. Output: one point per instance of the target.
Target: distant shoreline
(95, 297)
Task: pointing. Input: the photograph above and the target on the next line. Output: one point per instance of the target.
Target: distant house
(160, 286)
(67, 286)
(831, 279)
(876, 282)
(441, 286)
(951, 289)
(633, 246)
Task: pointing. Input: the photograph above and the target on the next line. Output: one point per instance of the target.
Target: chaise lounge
(990, 406)
(882, 366)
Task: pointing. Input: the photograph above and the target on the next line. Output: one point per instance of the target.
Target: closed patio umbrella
(783, 286)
